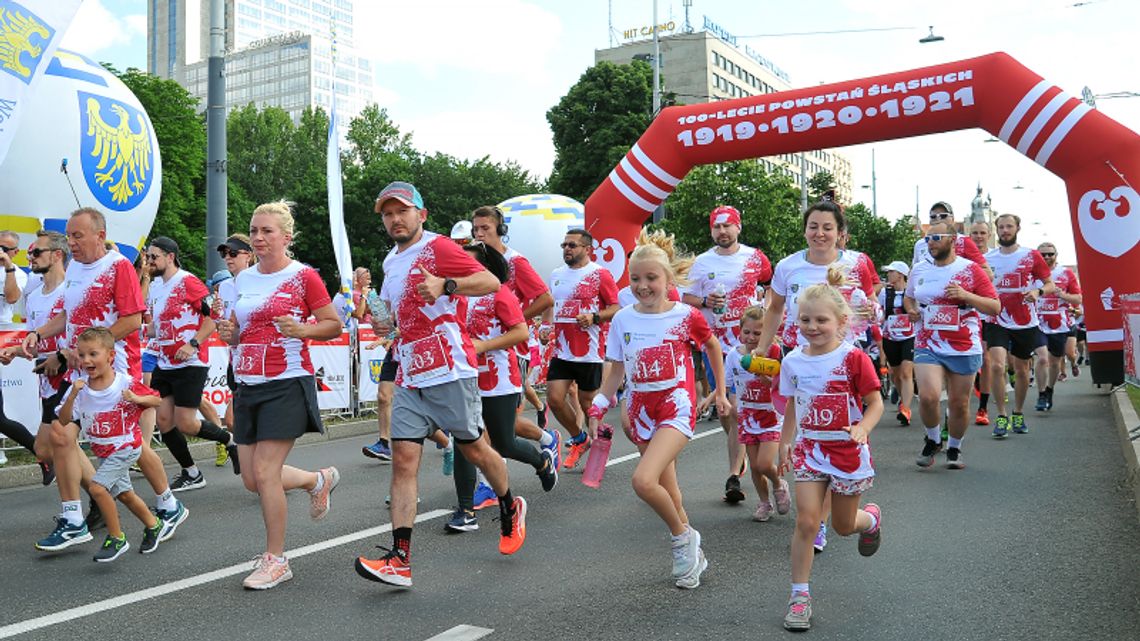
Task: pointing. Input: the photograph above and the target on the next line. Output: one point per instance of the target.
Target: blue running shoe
(462, 521)
(485, 496)
(555, 447)
(63, 536)
(173, 519)
(449, 461)
(1001, 427)
(1019, 426)
(378, 450)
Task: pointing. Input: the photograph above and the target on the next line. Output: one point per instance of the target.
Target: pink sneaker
(783, 498)
(267, 573)
(763, 511)
(320, 501)
(869, 541)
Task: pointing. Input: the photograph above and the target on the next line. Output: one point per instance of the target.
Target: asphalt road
(1036, 539)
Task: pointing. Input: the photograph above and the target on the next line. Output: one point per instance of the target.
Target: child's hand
(723, 407)
(703, 406)
(785, 459)
(859, 433)
(79, 384)
(130, 396)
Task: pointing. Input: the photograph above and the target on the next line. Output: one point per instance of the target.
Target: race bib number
(1049, 306)
(942, 317)
(424, 359)
(107, 424)
(165, 331)
(568, 312)
(755, 392)
(899, 324)
(824, 412)
(249, 360)
(731, 316)
(655, 364)
(1010, 282)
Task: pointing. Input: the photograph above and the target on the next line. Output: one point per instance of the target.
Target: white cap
(898, 266)
(461, 230)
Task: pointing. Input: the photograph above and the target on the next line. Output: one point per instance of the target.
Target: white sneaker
(267, 573)
(3, 458)
(688, 560)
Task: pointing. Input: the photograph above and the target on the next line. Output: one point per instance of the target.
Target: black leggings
(14, 430)
(499, 414)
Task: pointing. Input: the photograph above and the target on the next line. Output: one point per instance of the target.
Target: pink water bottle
(599, 454)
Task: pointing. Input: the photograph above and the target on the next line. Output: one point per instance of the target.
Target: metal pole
(803, 181)
(216, 184)
(874, 192)
(656, 65)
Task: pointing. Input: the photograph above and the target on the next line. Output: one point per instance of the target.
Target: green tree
(259, 152)
(819, 184)
(372, 134)
(596, 123)
(181, 135)
(877, 237)
(768, 203)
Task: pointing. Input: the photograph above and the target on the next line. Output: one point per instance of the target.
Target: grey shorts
(114, 472)
(453, 407)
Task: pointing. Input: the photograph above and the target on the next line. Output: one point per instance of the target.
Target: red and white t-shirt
(739, 274)
(262, 353)
(1055, 313)
(897, 326)
(829, 391)
(948, 326)
(175, 307)
(97, 295)
(434, 346)
(627, 298)
(586, 290)
(1014, 275)
(963, 246)
(754, 409)
(794, 274)
(866, 266)
(489, 317)
(525, 284)
(39, 307)
(109, 421)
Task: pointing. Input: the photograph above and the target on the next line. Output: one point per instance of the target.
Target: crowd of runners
(470, 328)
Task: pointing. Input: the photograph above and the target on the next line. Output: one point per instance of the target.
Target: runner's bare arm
(716, 360)
(54, 327)
(326, 328)
(772, 318)
(515, 335)
(477, 284)
(539, 306)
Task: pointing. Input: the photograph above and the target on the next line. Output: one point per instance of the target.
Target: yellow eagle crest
(16, 32)
(129, 152)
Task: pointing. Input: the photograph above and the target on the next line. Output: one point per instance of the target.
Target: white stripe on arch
(632, 172)
(1021, 109)
(1105, 335)
(1043, 116)
(630, 194)
(1060, 132)
(653, 168)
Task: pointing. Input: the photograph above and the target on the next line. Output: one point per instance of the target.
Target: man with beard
(942, 212)
(944, 297)
(724, 281)
(585, 299)
(1014, 332)
(980, 234)
(1056, 325)
(181, 324)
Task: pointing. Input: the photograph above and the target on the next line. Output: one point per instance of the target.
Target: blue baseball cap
(403, 192)
(218, 277)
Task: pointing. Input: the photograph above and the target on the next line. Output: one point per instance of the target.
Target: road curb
(1128, 426)
(21, 475)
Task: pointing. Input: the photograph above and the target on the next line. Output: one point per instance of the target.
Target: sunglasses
(37, 252)
(571, 245)
(152, 257)
(1048, 253)
(939, 216)
(933, 238)
(8, 249)
(232, 253)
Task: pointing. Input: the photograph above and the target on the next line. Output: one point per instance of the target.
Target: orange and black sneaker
(391, 568)
(575, 452)
(982, 418)
(514, 528)
(904, 415)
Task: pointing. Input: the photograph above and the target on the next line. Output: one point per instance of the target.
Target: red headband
(725, 214)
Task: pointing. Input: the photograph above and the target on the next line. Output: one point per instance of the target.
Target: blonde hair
(754, 314)
(99, 335)
(283, 210)
(659, 247)
(829, 294)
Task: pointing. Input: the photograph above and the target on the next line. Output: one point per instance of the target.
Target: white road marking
(462, 633)
(96, 607)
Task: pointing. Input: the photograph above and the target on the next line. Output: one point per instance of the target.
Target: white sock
(319, 485)
(680, 538)
(277, 559)
(72, 512)
(166, 501)
(874, 521)
(955, 443)
(801, 587)
(546, 439)
(193, 471)
(934, 434)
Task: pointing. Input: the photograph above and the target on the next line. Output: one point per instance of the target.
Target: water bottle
(381, 315)
(599, 454)
(760, 365)
(720, 291)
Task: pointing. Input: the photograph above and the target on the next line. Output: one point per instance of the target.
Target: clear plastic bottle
(599, 455)
(720, 291)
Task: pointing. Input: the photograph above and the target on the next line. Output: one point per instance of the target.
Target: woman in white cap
(898, 336)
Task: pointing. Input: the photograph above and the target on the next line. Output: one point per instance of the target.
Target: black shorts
(588, 376)
(48, 405)
(231, 380)
(1055, 343)
(1019, 342)
(898, 351)
(283, 409)
(388, 368)
(185, 384)
(1081, 334)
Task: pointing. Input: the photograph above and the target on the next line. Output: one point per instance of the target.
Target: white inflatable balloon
(83, 119)
(538, 223)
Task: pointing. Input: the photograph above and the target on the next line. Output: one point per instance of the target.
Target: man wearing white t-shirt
(942, 212)
(1055, 312)
(724, 281)
(15, 279)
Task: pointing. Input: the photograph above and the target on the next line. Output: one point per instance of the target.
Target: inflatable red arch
(1095, 156)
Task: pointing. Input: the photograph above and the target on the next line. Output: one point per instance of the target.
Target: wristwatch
(10, 270)
(597, 318)
(449, 286)
(193, 342)
(1040, 292)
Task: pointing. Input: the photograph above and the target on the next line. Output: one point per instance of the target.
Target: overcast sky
(476, 78)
